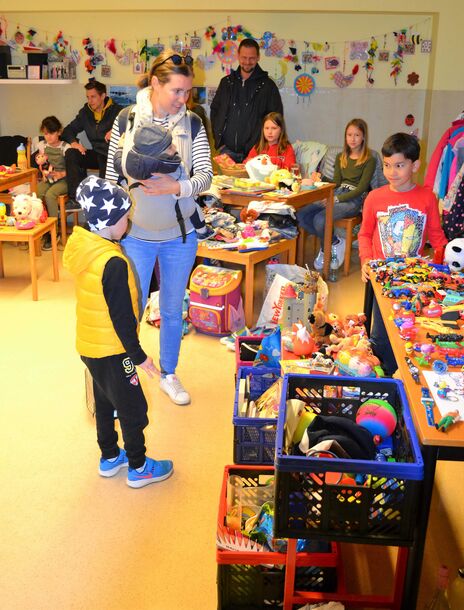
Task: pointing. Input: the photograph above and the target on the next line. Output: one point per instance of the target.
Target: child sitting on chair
(153, 152)
(49, 158)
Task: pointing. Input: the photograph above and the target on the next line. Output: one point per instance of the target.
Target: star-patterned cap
(103, 203)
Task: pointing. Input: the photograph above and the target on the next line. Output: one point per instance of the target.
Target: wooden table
(32, 237)
(249, 260)
(435, 444)
(298, 201)
(22, 176)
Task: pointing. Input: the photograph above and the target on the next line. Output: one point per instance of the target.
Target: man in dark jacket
(96, 119)
(241, 102)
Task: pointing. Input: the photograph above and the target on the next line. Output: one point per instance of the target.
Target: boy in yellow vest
(107, 340)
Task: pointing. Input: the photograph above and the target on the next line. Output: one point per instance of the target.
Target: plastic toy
(413, 369)
(303, 343)
(447, 420)
(282, 178)
(427, 402)
(444, 391)
(377, 416)
(433, 310)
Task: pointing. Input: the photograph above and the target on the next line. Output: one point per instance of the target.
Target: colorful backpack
(215, 300)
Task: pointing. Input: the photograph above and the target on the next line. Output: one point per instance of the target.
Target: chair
(62, 199)
(8, 146)
(348, 224)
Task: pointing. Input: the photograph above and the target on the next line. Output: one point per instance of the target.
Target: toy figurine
(447, 420)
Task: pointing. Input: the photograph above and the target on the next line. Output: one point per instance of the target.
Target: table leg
(56, 275)
(368, 303)
(300, 246)
(2, 271)
(35, 294)
(290, 568)
(328, 233)
(416, 553)
(249, 292)
(291, 253)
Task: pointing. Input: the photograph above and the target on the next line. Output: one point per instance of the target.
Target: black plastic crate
(254, 437)
(258, 587)
(381, 511)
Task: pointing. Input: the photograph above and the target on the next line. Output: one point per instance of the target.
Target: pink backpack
(215, 300)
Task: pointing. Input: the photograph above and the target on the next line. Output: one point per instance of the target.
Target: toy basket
(379, 511)
(253, 579)
(254, 437)
(241, 351)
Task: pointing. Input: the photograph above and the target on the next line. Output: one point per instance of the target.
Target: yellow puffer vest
(86, 255)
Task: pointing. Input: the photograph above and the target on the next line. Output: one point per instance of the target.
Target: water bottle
(456, 591)
(439, 599)
(22, 159)
(333, 270)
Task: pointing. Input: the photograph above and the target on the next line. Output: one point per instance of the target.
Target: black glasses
(177, 60)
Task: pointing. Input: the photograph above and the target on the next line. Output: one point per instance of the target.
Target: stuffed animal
(282, 178)
(44, 167)
(28, 210)
(320, 328)
(454, 254)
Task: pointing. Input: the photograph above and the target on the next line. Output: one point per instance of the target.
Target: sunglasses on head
(177, 60)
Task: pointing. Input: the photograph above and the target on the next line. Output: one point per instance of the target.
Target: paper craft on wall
(304, 85)
(331, 63)
(358, 49)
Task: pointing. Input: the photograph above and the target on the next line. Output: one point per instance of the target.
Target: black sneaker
(47, 241)
(72, 206)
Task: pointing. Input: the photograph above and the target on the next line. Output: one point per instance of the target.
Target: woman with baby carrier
(159, 230)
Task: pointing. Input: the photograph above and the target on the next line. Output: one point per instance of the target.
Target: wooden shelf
(39, 81)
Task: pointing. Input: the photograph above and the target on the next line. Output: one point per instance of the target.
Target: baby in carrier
(153, 152)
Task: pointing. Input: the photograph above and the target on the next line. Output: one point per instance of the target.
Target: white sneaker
(340, 246)
(319, 261)
(172, 386)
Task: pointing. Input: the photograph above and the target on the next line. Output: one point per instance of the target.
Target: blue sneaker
(109, 469)
(154, 472)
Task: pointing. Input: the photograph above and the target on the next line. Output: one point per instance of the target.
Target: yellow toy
(282, 178)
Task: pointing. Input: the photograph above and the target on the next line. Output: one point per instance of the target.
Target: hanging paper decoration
(75, 56)
(227, 51)
(94, 59)
(358, 49)
(60, 45)
(409, 48)
(413, 79)
(397, 62)
(177, 45)
(235, 32)
(3, 30)
(206, 62)
(304, 84)
(280, 80)
(369, 65)
(384, 55)
(266, 39)
(30, 44)
(344, 80)
(293, 57)
(317, 46)
(195, 41)
(275, 48)
(210, 34)
(331, 63)
(426, 46)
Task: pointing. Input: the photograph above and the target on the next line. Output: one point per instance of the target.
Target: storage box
(242, 355)
(380, 511)
(16, 71)
(252, 579)
(254, 437)
(34, 72)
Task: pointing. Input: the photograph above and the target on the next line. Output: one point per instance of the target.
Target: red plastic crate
(252, 578)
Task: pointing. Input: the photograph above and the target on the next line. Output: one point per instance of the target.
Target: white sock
(142, 468)
(112, 459)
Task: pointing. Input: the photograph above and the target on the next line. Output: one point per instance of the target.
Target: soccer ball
(454, 254)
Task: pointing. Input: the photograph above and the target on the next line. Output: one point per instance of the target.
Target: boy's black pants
(116, 386)
(77, 165)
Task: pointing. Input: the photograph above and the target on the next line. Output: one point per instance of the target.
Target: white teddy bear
(28, 210)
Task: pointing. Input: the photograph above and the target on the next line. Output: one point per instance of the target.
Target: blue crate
(381, 512)
(254, 438)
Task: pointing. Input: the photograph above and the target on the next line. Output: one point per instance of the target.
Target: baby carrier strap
(126, 121)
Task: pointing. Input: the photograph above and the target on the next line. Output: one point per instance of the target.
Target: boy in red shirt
(397, 221)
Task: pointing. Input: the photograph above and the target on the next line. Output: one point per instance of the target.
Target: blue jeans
(380, 342)
(175, 263)
(312, 217)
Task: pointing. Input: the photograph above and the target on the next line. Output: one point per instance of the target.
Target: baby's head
(106, 206)
(152, 152)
